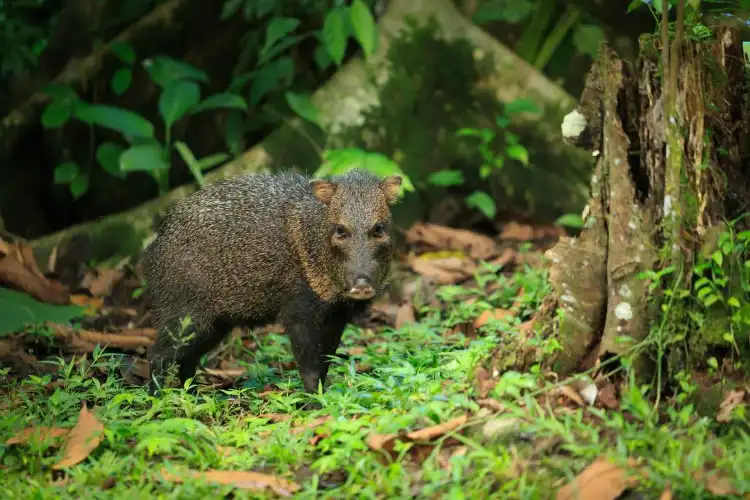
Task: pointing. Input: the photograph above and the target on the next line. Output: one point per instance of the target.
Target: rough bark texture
(631, 216)
(341, 102)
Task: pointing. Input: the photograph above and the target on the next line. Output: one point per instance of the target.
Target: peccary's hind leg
(184, 346)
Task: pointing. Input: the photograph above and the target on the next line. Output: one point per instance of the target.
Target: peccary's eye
(340, 231)
(378, 230)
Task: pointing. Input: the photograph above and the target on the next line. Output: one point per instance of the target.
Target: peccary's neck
(307, 232)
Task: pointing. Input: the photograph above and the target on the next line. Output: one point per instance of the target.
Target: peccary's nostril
(361, 288)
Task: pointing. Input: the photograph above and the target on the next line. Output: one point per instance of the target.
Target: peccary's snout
(360, 287)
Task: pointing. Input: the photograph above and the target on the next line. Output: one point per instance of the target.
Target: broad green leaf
(124, 51)
(521, 106)
(482, 202)
(165, 70)
(144, 157)
(733, 302)
(117, 119)
(21, 310)
(224, 100)
(79, 186)
(570, 220)
(280, 47)
(518, 152)
(270, 77)
(108, 156)
(176, 99)
(57, 112)
(334, 34)
(447, 178)
(66, 172)
(718, 257)
(587, 37)
(121, 80)
(278, 28)
(364, 27)
(303, 107)
(339, 161)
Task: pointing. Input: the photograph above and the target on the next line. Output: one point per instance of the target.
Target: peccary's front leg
(303, 319)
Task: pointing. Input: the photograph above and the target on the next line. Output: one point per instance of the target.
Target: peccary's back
(223, 252)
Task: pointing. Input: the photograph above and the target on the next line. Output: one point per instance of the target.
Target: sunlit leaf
(303, 107)
(176, 99)
(482, 202)
(334, 34)
(144, 157)
(363, 24)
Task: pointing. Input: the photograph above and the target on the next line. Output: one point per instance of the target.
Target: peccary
(256, 249)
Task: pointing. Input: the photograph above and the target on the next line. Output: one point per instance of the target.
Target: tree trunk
(666, 181)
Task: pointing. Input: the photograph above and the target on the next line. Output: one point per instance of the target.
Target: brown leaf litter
(83, 438)
(19, 270)
(253, 481)
(602, 480)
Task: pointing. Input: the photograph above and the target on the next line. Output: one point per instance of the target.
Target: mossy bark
(344, 104)
(649, 159)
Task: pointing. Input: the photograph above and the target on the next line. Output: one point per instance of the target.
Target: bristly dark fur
(257, 249)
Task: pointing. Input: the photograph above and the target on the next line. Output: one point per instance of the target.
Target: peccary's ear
(391, 187)
(323, 190)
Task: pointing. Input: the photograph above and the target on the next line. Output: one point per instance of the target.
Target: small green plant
(144, 151)
(493, 161)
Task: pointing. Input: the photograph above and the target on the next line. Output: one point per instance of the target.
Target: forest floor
(415, 407)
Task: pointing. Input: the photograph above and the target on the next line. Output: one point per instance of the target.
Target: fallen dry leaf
(571, 394)
(666, 494)
(405, 315)
(92, 304)
(82, 439)
(37, 434)
(18, 270)
(478, 246)
(525, 232)
(484, 381)
(254, 481)
(608, 396)
(444, 270)
(602, 480)
(488, 316)
(730, 402)
(101, 282)
(720, 485)
(310, 425)
(227, 373)
(386, 441)
(276, 417)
